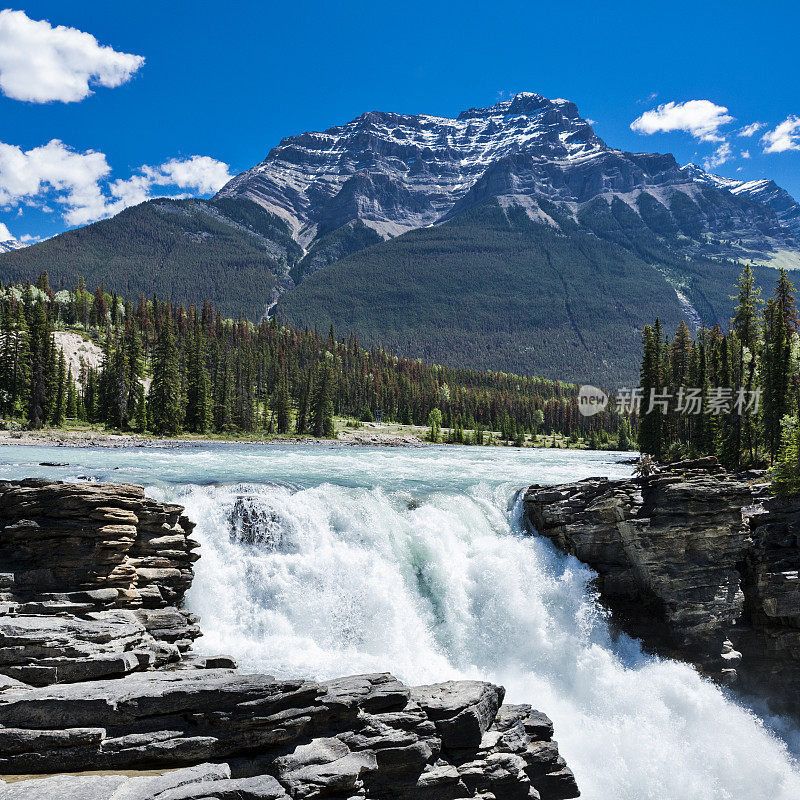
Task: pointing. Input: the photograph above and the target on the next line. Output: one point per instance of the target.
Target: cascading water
(322, 562)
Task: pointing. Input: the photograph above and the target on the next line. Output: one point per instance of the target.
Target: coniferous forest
(732, 394)
(167, 369)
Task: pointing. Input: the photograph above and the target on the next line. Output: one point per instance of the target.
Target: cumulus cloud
(200, 173)
(700, 118)
(786, 136)
(79, 182)
(26, 176)
(751, 129)
(40, 63)
(722, 154)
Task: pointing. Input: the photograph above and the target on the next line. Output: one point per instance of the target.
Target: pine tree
(786, 471)
(72, 397)
(60, 402)
(305, 391)
(680, 362)
(780, 327)
(40, 357)
(223, 394)
(198, 395)
(164, 401)
(322, 402)
(650, 423)
(281, 408)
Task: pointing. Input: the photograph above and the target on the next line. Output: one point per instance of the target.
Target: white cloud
(5, 233)
(700, 118)
(786, 136)
(201, 173)
(26, 176)
(745, 154)
(40, 63)
(751, 129)
(79, 182)
(722, 154)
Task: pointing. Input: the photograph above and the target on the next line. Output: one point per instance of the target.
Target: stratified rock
(666, 550)
(693, 562)
(92, 577)
(770, 635)
(363, 734)
(461, 710)
(203, 782)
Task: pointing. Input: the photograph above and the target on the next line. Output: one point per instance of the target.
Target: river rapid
(320, 561)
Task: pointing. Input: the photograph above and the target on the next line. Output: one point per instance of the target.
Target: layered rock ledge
(697, 563)
(96, 676)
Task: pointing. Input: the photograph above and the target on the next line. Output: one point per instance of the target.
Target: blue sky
(225, 82)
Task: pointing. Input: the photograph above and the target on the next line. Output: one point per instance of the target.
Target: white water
(353, 560)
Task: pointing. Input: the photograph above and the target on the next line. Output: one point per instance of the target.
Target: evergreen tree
(786, 471)
(650, 421)
(322, 402)
(60, 403)
(198, 395)
(40, 340)
(780, 327)
(281, 408)
(164, 399)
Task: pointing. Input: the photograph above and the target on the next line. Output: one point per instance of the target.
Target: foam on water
(319, 562)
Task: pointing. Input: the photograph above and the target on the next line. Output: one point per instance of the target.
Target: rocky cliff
(96, 674)
(695, 563)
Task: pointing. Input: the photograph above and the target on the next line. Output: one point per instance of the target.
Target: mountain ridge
(374, 225)
(399, 172)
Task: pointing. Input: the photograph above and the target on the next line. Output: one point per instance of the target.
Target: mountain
(765, 191)
(231, 252)
(384, 174)
(510, 238)
(7, 245)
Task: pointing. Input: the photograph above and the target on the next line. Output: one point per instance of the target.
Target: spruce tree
(40, 363)
(198, 395)
(322, 402)
(650, 423)
(780, 327)
(165, 411)
(281, 408)
(60, 402)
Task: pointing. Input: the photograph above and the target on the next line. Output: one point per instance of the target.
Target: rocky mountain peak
(764, 191)
(391, 173)
(7, 245)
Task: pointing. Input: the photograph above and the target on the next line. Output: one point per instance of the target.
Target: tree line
(166, 369)
(732, 394)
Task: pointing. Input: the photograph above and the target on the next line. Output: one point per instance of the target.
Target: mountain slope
(7, 245)
(232, 252)
(495, 289)
(786, 208)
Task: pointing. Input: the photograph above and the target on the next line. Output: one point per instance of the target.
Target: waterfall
(328, 580)
(322, 561)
